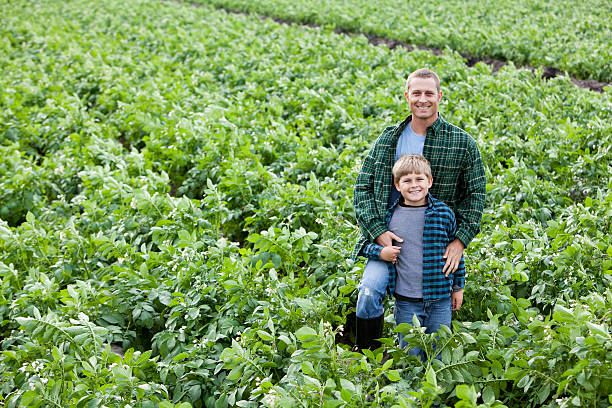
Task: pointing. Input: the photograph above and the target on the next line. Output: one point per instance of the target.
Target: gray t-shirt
(408, 222)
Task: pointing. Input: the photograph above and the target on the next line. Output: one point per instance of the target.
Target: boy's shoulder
(440, 207)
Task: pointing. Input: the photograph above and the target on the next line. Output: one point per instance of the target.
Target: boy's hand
(457, 300)
(390, 253)
(453, 254)
(386, 239)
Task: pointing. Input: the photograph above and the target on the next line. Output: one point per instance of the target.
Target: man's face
(414, 188)
(423, 98)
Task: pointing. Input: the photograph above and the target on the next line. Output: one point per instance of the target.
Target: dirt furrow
(547, 72)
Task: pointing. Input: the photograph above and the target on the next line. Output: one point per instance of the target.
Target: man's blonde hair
(410, 164)
(423, 73)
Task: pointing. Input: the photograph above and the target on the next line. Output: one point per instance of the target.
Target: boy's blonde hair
(410, 164)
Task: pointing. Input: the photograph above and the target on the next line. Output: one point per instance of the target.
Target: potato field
(176, 202)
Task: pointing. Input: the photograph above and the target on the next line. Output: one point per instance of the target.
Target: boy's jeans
(432, 314)
(372, 290)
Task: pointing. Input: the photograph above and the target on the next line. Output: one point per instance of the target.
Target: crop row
(568, 35)
(178, 181)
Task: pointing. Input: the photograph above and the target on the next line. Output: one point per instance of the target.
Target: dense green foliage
(178, 181)
(569, 35)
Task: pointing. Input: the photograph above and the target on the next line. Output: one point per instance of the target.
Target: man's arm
(458, 271)
(469, 209)
(371, 224)
(459, 276)
(457, 300)
(454, 251)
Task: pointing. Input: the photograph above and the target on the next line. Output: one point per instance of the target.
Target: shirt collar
(437, 124)
(435, 127)
(430, 202)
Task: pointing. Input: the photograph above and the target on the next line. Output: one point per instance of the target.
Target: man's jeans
(432, 314)
(372, 289)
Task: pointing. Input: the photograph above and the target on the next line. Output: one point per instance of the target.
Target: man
(459, 181)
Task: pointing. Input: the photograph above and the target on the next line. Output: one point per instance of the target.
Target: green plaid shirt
(458, 179)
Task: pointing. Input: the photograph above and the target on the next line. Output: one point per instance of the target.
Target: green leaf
(394, 375)
(598, 329)
(285, 339)
(466, 393)
(28, 397)
(488, 395)
(235, 373)
(518, 246)
(312, 381)
(347, 385)
(307, 368)
(305, 334)
(180, 356)
(346, 395)
(513, 373)
(430, 376)
(562, 314)
(265, 335)
(144, 357)
(523, 382)
(544, 392)
(468, 338)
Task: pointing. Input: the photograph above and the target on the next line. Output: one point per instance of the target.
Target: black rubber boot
(368, 330)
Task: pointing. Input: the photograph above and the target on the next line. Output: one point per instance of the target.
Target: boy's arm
(372, 251)
(380, 253)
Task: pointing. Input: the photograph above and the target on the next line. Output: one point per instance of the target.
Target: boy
(416, 277)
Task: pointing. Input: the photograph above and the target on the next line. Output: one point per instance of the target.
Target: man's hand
(453, 253)
(457, 300)
(390, 253)
(386, 239)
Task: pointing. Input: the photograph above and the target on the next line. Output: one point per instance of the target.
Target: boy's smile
(414, 188)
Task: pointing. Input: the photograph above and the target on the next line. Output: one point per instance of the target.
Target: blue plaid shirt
(438, 231)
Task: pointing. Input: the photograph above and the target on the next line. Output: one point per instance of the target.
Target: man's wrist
(378, 231)
(463, 237)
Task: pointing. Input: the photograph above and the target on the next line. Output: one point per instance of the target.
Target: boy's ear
(395, 183)
(430, 181)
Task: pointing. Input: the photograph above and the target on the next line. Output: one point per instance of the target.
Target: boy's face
(414, 188)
